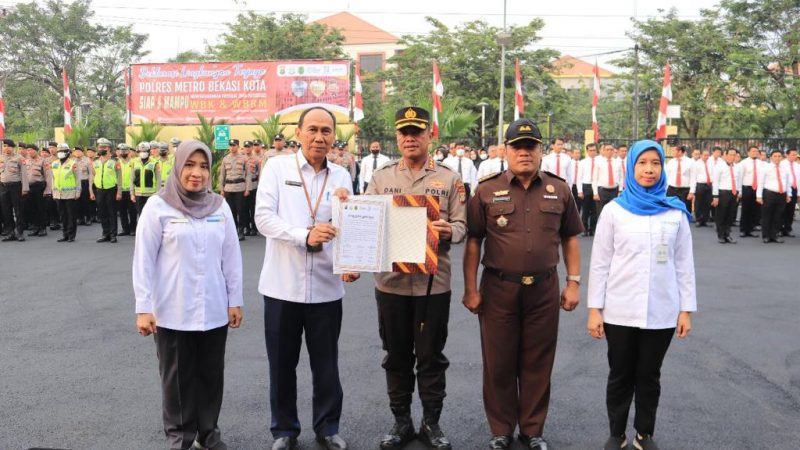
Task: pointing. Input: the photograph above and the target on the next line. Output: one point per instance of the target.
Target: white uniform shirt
(702, 173)
(369, 164)
(686, 172)
(468, 172)
(290, 272)
(724, 178)
(749, 166)
(792, 168)
(186, 271)
(627, 281)
(585, 171)
(600, 177)
(559, 164)
(768, 179)
(491, 166)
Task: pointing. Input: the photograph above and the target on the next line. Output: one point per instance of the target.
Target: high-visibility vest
(64, 179)
(105, 174)
(166, 168)
(126, 174)
(144, 177)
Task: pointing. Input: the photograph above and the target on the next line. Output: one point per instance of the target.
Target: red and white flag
(438, 93)
(67, 106)
(519, 101)
(2, 117)
(358, 101)
(595, 98)
(666, 97)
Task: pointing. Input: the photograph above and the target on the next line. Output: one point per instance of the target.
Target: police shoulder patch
(444, 166)
(489, 177)
(387, 165)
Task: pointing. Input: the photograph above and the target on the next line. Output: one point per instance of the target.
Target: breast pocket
(176, 230)
(551, 215)
(502, 217)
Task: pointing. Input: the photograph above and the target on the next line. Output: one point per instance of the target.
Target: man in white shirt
(371, 163)
(727, 191)
(585, 194)
(606, 177)
(700, 190)
(557, 162)
(715, 161)
(791, 166)
(495, 164)
(464, 167)
(751, 211)
(679, 175)
(301, 293)
(622, 153)
(573, 185)
(773, 195)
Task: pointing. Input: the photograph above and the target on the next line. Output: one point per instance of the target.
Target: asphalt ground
(74, 374)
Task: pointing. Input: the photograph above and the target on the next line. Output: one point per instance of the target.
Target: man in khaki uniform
(84, 165)
(13, 186)
(105, 187)
(234, 184)
(278, 149)
(38, 182)
(254, 166)
(413, 309)
(66, 191)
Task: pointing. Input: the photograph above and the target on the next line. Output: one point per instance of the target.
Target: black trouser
(250, 204)
(141, 200)
(399, 319)
(682, 193)
(702, 203)
(11, 204)
(284, 325)
(635, 356)
(772, 214)
(107, 210)
(127, 213)
(84, 209)
(575, 196)
(467, 190)
(192, 368)
(749, 210)
(726, 213)
(52, 211)
(788, 213)
(68, 212)
(35, 206)
(588, 209)
(236, 201)
(606, 195)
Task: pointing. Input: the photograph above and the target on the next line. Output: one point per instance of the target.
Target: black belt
(10, 183)
(523, 279)
(236, 181)
(608, 189)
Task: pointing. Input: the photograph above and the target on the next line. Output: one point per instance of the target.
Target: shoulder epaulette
(554, 175)
(489, 177)
(387, 165)
(444, 166)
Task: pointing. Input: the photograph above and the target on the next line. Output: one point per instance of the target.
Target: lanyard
(312, 209)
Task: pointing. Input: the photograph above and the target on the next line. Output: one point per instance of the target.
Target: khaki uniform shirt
(84, 168)
(396, 179)
(522, 228)
(14, 170)
(234, 175)
(254, 166)
(348, 161)
(39, 172)
(271, 153)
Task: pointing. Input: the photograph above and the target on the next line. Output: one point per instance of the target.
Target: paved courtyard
(74, 374)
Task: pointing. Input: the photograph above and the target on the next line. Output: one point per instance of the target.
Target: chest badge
(502, 222)
(550, 188)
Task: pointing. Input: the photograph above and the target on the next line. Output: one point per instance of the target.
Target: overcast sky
(581, 28)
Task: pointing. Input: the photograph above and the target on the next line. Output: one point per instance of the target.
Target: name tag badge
(179, 221)
(503, 199)
(294, 183)
(661, 254)
(215, 219)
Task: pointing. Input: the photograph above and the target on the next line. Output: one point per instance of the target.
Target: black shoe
(104, 239)
(722, 241)
(72, 239)
(333, 442)
(42, 232)
(616, 443)
(55, 227)
(432, 436)
(21, 238)
(10, 237)
(133, 233)
(500, 442)
(777, 241)
(644, 442)
(220, 446)
(787, 234)
(125, 233)
(730, 240)
(533, 443)
(285, 443)
(241, 237)
(401, 434)
(63, 239)
(585, 233)
(747, 235)
(33, 233)
(757, 228)
(113, 240)
(766, 241)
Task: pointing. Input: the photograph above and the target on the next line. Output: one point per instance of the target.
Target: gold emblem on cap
(525, 128)
(550, 188)
(500, 193)
(411, 114)
(502, 222)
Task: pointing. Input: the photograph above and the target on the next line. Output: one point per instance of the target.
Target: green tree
(146, 132)
(264, 36)
(269, 129)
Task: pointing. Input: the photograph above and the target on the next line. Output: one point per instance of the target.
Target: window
(371, 63)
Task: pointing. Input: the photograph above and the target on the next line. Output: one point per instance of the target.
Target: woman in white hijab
(187, 278)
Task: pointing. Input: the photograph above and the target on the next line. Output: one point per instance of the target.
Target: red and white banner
(519, 100)
(595, 99)
(2, 117)
(237, 92)
(438, 93)
(67, 106)
(358, 101)
(666, 97)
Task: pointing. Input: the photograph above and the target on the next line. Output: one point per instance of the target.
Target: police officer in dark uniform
(522, 217)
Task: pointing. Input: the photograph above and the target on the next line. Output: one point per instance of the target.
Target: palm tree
(345, 136)
(269, 129)
(148, 131)
(81, 134)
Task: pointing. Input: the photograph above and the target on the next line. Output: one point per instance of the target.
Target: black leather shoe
(766, 241)
(787, 234)
(220, 446)
(747, 235)
(500, 442)
(432, 436)
(55, 227)
(285, 443)
(21, 238)
(63, 239)
(10, 237)
(401, 434)
(722, 241)
(333, 442)
(125, 233)
(616, 443)
(33, 233)
(113, 240)
(777, 241)
(730, 240)
(104, 239)
(533, 443)
(72, 239)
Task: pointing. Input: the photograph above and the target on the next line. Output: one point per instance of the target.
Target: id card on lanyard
(662, 250)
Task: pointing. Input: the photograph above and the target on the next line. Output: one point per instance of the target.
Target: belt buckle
(528, 280)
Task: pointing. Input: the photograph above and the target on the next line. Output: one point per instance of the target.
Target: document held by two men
(385, 233)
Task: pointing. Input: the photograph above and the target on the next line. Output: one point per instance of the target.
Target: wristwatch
(575, 278)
